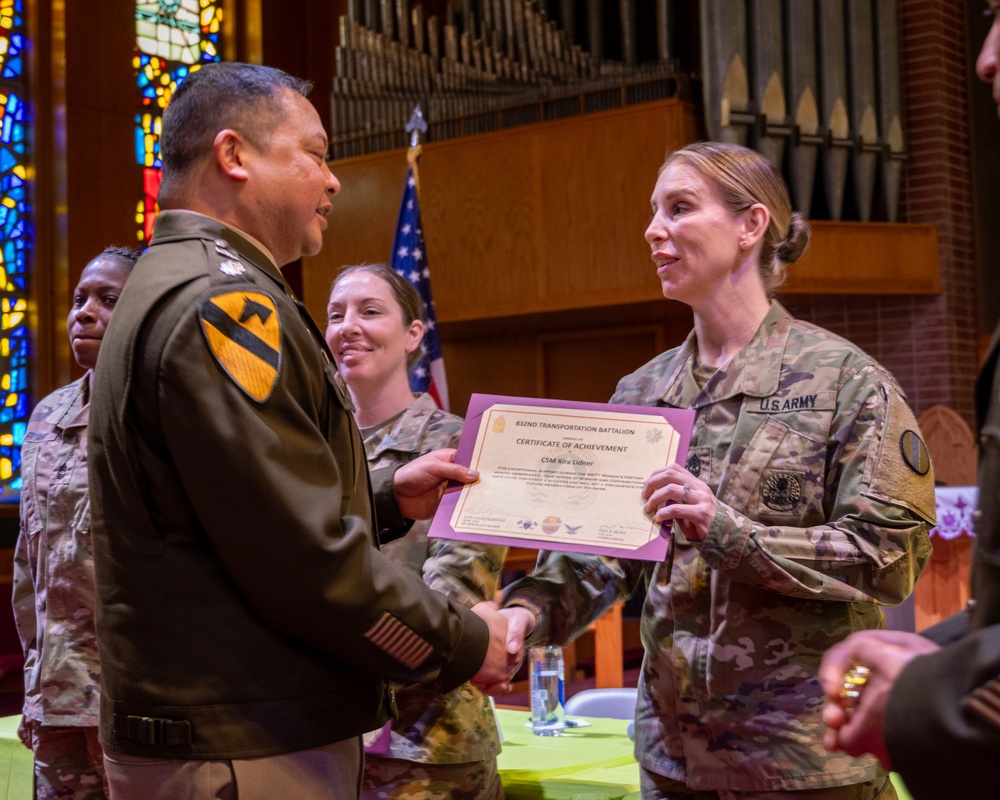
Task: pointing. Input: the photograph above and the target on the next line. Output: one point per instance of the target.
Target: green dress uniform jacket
(243, 608)
(825, 496)
(942, 723)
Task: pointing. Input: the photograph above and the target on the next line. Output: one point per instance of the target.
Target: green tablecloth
(593, 763)
(16, 779)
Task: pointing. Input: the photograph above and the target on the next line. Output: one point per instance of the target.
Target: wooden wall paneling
(554, 212)
(598, 176)
(480, 205)
(300, 37)
(362, 224)
(943, 587)
(45, 60)
(498, 365)
(587, 364)
(103, 184)
(521, 221)
(868, 258)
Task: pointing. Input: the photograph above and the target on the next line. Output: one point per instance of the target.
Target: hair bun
(795, 241)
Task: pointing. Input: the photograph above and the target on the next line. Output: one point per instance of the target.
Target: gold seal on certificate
(561, 475)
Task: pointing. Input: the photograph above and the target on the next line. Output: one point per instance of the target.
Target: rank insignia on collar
(232, 268)
(223, 248)
(243, 333)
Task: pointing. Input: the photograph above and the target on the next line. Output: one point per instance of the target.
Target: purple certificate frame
(681, 420)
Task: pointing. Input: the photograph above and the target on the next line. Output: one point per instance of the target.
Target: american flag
(409, 259)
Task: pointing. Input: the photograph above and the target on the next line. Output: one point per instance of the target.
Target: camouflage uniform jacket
(54, 564)
(825, 500)
(431, 726)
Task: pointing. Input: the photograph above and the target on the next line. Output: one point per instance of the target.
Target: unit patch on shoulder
(244, 335)
(914, 452)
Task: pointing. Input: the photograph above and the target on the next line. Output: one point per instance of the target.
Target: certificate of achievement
(558, 475)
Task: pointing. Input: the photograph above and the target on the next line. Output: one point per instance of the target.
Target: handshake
(508, 629)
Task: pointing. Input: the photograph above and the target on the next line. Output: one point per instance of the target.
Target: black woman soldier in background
(54, 599)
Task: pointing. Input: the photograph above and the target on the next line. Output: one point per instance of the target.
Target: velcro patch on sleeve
(243, 333)
(984, 702)
(398, 641)
(902, 473)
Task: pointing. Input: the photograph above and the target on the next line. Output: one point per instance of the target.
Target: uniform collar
(179, 224)
(408, 437)
(75, 408)
(764, 352)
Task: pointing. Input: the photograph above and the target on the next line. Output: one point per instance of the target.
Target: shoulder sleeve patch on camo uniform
(901, 472)
(399, 641)
(243, 333)
(914, 452)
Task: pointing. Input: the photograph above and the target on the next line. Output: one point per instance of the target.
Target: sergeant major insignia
(243, 333)
(693, 464)
(781, 490)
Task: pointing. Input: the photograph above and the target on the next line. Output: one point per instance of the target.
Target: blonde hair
(743, 177)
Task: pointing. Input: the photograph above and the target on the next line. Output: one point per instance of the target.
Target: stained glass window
(16, 240)
(173, 38)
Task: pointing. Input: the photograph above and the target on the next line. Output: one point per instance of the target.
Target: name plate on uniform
(557, 475)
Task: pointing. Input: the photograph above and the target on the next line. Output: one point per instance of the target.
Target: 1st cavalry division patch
(244, 335)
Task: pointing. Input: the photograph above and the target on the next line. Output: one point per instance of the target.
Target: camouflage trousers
(69, 764)
(395, 779)
(657, 787)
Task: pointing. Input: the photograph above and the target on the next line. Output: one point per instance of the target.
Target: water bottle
(548, 695)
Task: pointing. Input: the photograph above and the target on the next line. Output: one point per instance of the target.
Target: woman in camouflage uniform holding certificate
(440, 745)
(804, 505)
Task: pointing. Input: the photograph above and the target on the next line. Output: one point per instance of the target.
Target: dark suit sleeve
(942, 726)
(280, 489)
(389, 519)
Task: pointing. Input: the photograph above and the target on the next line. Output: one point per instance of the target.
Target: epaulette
(225, 264)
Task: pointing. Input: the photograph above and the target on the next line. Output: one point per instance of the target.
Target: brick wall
(929, 343)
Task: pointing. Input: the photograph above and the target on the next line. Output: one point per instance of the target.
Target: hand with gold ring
(673, 494)
(855, 679)
(857, 676)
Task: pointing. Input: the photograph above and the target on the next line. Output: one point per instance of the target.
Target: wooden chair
(609, 703)
(951, 444)
(943, 588)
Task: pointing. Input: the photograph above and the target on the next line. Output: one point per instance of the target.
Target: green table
(16, 765)
(592, 763)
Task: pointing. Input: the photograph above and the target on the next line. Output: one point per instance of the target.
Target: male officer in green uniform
(246, 623)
